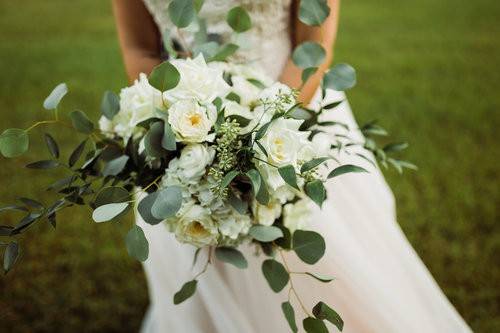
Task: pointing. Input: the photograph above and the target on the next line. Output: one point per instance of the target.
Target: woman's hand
(139, 37)
(325, 35)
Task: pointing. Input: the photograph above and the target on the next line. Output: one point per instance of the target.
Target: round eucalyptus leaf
(144, 209)
(182, 12)
(167, 203)
(313, 12)
(264, 233)
(288, 174)
(81, 122)
(110, 104)
(187, 290)
(309, 246)
(115, 166)
(164, 76)
(275, 274)
(231, 256)
(323, 312)
(341, 77)
(137, 244)
(314, 325)
(54, 98)
(238, 19)
(316, 191)
(153, 140)
(108, 212)
(112, 194)
(308, 54)
(308, 72)
(14, 142)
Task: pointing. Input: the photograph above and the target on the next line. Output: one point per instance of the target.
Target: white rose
(266, 214)
(196, 227)
(192, 122)
(297, 216)
(193, 162)
(231, 223)
(198, 80)
(138, 102)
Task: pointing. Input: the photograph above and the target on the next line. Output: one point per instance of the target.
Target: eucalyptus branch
(292, 287)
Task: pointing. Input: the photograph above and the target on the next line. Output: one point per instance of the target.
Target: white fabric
(381, 285)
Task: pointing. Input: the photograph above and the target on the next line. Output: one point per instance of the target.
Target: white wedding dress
(381, 284)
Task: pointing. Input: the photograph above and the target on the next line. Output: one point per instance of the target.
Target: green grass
(427, 69)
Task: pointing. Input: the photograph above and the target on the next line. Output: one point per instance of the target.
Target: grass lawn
(427, 69)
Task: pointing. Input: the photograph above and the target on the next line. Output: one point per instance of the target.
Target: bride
(381, 284)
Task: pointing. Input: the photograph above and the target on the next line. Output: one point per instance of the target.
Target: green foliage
(81, 122)
(275, 274)
(153, 140)
(10, 256)
(110, 104)
(115, 166)
(238, 19)
(187, 290)
(264, 233)
(111, 194)
(314, 325)
(224, 52)
(51, 145)
(287, 309)
(231, 256)
(137, 244)
(309, 165)
(307, 73)
(168, 141)
(313, 12)
(182, 12)
(287, 172)
(341, 77)
(346, 168)
(14, 142)
(255, 179)
(324, 312)
(321, 278)
(44, 164)
(55, 97)
(308, 55)
(309, 246)
(167, 203)
(145, 206)
(108, 212)
(77, 153)
(316, 191)
(165, 76)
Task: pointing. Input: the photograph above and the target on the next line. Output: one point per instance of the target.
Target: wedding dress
(381, 284)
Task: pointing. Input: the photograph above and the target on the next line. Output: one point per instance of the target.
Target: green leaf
(373, 129)
(145, 206)
(137, 244)
(313, 12)
(308, 54)
(224, 52)
(321, 278)
(347, 168)
(51, 145)
(110, 104)
(153, 140)
(341, 77)
(181, 12)
(165, 76)
(168, 140)
(308, 245)
(108, 212)
(115, 166)
(238, 19)
(81, 122)
(308, 72)
(289, 315)
(313, 164)
(256, 180)
(263, 195)
(324, 312)
(14, 142)
(262, 131)
(241, 206)
(275, 274)
(262, 149)
(395, 147)
(45, 164)
(198, 4)
(187, 290)
(208, 49)
(257, 83)
(31, 203)
(264, 233)
(168, 44)
(332, 105)
(111, 194)
(231, 256)
(316, 191)
(287, 172)
(54, 98)
(167, 203)
(313, 325)
(25, 222)
(399, 165)
(75, 155)
(240, 120)
(10, 256)
(228, 178)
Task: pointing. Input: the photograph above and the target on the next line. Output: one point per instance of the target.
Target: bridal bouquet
(217, 151)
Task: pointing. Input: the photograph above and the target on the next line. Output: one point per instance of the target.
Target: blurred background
(427, 69)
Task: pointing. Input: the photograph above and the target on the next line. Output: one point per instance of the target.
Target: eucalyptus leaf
(108, 212)
(165, 76)
(31, 203)
(233, 97)
(241, 206)
(168, 141)
(228, 178)
(224, 52)
(242, 121)
(309, 165)
(231, 256)
(321, 278)
(308, 72)
(52, 145)
(333, 105)
(316, 191)
(10, 256)
(111, 194)
(341, 77)
(115, 166)
(263, 195)
(395, 147)
(264, 233)
(309, 246)
(255, 179)
(313, 12)
(153, 140)
(182, 12)
(187, 290)
(238, 19)
(208, 49)
(14, 142)
(145, 206)
(81, 122)
(75, 155)
(137, 244)
(257, 83)
(347, 168)
(55, 97)
(289, 313)
(314, 325)
(287, 172)
(110, 104)
(167, 203)
(323, 312)
(275, 274)
(262, 131)
(308, 54)
(45, 164)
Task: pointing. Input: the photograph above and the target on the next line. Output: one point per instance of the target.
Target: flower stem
(292, 287)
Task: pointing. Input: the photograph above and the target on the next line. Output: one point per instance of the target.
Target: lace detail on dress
(267, 43)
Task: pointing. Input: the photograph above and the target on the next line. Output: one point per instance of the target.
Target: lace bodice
(267, 44)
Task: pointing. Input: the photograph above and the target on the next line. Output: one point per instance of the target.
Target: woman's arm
(325, 35)
(138, 35)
